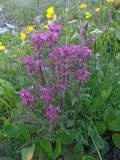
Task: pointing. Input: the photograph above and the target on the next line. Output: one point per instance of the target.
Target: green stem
(14, 3)
(67, 9)
(96, 148)
(92, 137)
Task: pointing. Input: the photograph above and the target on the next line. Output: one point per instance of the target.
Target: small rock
(1, 10)
(10, 26)
(3, 30)
(2, 21)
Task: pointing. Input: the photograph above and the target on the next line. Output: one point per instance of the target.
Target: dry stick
(34, 111)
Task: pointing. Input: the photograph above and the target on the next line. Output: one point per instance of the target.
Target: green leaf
(57, 150)
(116, 139)
(106, 93)
(113, 120)
(74, 37)
(88, 158)
(2, 136)
(70, 123)
(1, 91)
(118, 34)
(25, 132)
(101, 127)
(11, 130)
(7, 88)
(66, 138)
(114, 125)
(27, 153)
(46, 147)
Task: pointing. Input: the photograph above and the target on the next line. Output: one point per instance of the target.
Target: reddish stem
(42, 77)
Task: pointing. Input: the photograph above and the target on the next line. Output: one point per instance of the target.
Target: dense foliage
(60, 85)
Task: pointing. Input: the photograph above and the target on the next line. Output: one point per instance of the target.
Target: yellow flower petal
(30, 28)
(97, 10)
(0, 43)
(50, 11)
(83, 5)
(88, 16)
(45, 27)
(110, 1)
(87, 13)
(49, 16)
(22, 36)
(2, 48)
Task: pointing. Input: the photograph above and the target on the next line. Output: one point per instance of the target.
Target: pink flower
(47, 94)
(30, 65)
(53, 114)
(82, 75)
(55, 28)
(27, 97)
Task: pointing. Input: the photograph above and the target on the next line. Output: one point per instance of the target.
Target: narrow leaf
(57, 150)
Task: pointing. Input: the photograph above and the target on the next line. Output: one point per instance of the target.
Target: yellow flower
(50, 12)
(30, 28)
(2, 48)
(88, 15)
(45, 26)
(0, 43)
(49, 16)
(97, 10)
(22, 36)
(83, 5)
(110, 1)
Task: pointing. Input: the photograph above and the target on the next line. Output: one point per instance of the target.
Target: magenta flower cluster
(47, 94)
(82, 75)
(52, 113)
(55, 66)
(84, 39)
(34, 66)
(46, 39)
(27, 97)
(30, 65)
